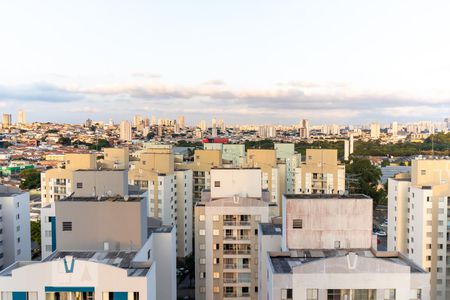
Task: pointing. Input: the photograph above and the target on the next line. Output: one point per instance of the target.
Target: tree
(35, 228)
(65, 141)
(368, 179)
(30, 179)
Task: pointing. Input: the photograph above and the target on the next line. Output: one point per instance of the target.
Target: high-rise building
(202, 125)
(137, 120)
(170, 192)
(324, 249)
(6, 120)
(304, 129)
(267, 131)
(125, 131)
(14, 226)
(375, 131)
(204, 161)
(226, 255)
(394, 129)
(95, 254)
(181, 122)
(21, 119)
(417, 219)
(266, 160)
(321, 173)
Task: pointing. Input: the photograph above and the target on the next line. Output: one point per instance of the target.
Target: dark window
(216, 183)
(79, 185)
(67, 226)
(297, 223)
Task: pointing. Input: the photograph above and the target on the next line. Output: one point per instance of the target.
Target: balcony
(237, 238)
(236, 280)
(236, 266)
(237, 252)
(236, 295)
(236, 223)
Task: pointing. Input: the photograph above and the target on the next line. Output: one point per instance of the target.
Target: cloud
(281, 103)
(214, 82)
(43, 92)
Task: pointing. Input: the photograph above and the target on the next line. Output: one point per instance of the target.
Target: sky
(244, 61)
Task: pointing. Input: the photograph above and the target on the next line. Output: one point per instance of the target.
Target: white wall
(242, 182)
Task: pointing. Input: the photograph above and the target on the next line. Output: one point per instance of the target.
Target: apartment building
(320, 173)
(226, 229)
(170, 192)
(82, 176)
(288, 161)
(125, 131)
(204, 161)
(418, 218)
(266, 160)
(94, 251)
(232, 154)
(375, 131)
(15, 242)
(324, 249)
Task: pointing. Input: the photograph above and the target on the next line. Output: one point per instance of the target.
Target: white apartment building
(125, 131)
(375, 131)
(418, 219)
(147, 273)
(102, 248)
(324, 249)
(169, 191)
(226, 253)
(15, 241)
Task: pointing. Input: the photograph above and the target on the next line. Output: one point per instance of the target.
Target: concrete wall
(120, 223)
(326, 221)
(98, 183)
(76, 161)
(242, 182)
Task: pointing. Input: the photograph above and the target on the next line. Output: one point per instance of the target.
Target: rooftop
(161, 229)
(120, 259)
(327, 196)
(285, 262)
(103, 199)
(270, 228)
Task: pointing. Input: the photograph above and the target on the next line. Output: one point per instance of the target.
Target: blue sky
(243, 61)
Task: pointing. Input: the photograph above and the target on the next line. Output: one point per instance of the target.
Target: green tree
(35, 228)
(368, 178)
(65, 141)
(30, 179)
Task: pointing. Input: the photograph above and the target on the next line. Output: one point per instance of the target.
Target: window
(312, 294)
(79, 185)
(202, 261)
(389, 294)
(216, 289)
(201, 232)
(297, 223)
(202, 246)
(286, 294)
(416, 294)
(67, 226)
(216, 275)
(337, 244)
(423, 172)
(216, 232)
(201, 217)
(202, 274)
(216, 183)
(216, 218)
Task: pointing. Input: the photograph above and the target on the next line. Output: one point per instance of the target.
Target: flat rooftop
(326, 196)
(285, 262)
(161, 229)
(133, 198)
(270, 229)
(119, 259)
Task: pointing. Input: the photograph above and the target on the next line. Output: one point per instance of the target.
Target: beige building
(125, 131)
(326, 251)
(418, 219)
(320, 173)
(82, 177)
(6, 120)
(226, 256)
(266, 160)
(204, 161)
(170, 192)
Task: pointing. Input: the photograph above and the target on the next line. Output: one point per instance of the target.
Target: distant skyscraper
(181, 122)
(304, 129)
(137, 120)
(394, 128)
(202, 125)
(6, 120)
(21, 120)
(125, 131)
(375, 131)
(152, 121)
(447, 123)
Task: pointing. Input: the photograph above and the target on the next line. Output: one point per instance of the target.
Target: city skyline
(232, 60)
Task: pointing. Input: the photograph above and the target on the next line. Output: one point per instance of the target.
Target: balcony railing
(237, 237)
(237, 252)
(236, 295)
(237, 280)
(236, 266)
(236, 223)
